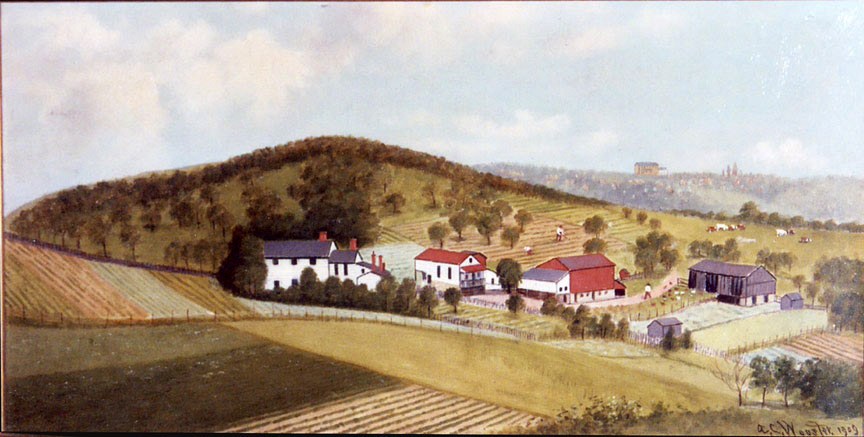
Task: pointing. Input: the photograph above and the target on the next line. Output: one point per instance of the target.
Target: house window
(364, 271)
(344, 269)
(275, 262)
(449, 273)
(439, 271)
(312, 261)
(336, 269)
(294, 282)
(293, 261)
(275, 284)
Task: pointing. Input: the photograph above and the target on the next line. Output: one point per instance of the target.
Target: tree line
(750, 213)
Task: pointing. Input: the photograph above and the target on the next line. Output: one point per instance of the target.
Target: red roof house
(444, 268)
(592, 277)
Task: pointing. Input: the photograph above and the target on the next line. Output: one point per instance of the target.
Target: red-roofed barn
(443, 269)
(589, 278)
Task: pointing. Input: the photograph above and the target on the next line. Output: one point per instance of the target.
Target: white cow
(781, 232)
(721, 227)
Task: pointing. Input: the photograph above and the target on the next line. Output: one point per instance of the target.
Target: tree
(200, 251)
(669, 342)
(811, 291)
(623, 329)
(97, 232)
(594, 245)
(207, 194)
(459, 221)
(763, 375)
(787, 375)
(648, 249)
(130, 237)
(502, 207)
(549, 307)
(730, 250)
(511, 235)
(310, 288)
(151, 218)
(172, 253)
(523, 218)
(437, 233)
(734, 373)
(580, 321)
(395, 201)
(595, 225)
(509, 273)
(428, 299)
(515, 303)
(655, 224)
(487, 223)
(121, 211)
(429, 190)
(686, 339)
(798, 281)
(452, 296)
(668, 258)
(606, 326)
(406, 296)
(749, 211)
(641, 217)
(182, 212)
(243, 270)
(626, 211)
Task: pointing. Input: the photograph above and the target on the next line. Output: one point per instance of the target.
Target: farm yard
(41, 283)
(711, 313)
(746, 332)
(541, 326)
(196, 377)
(398, 409)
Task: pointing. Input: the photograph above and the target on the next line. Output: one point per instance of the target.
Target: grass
(542, 326)
(765, 327)
(526, 376)
(163, 379)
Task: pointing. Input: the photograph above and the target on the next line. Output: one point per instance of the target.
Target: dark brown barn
(734, 283)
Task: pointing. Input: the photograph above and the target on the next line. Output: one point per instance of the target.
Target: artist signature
(810, 428)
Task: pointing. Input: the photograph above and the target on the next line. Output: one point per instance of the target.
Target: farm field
(825, 345)
(520, 375)
(772, 353)
(712, 313)
(395, 409)
(40, 282)
(542, 326)
(223, 376)
(602, 348)
(763, 327)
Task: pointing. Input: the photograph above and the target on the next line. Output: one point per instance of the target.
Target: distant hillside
(820, 198)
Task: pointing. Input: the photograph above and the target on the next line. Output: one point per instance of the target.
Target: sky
(97, 91)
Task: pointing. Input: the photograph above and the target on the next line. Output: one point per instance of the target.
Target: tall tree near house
(459, 221)
(428, 300)
(523, 218)
(429, 190)
(438, 233)
(669, 342)
(511, 235)
(641, 217)
(595, 225)
(452, 296)
(607, 326)
(98, 229)
(509, 274)
(763, 375)
(580, 321)
(487, 223)
(669, 257)
(798, 281)
(623, 328)
(395, 201)
(130, 236)
(515, 303)
(811, 291)
(734, 373)
(787, 375)
(243, 271)
(594, 245)
(549, 307)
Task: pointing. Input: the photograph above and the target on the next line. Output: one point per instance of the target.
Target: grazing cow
(721, 227)
(711, 229)
(805, 240)
(741, 227)
(733, 228)
(791, 232)
(781, 232)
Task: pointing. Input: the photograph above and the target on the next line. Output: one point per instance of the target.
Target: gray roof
(725, 269)
(343, 256)
(297, 249)
(668, 321)
(369, 266)
(793, 296)
(544, 275)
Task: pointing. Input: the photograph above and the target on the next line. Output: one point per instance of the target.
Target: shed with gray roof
(659, 327)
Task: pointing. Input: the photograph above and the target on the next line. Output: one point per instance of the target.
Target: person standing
(647, 294)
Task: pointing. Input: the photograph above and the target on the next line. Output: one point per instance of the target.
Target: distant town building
(648, 169)
(734, 283)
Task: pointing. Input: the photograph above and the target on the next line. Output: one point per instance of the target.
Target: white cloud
(524, 125)
(786, 156)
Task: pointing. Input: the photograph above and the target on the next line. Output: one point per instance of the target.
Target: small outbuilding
(659, 327)
(734, 283)
(791, 301)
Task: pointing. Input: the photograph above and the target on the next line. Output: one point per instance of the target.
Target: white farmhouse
(286, 260)
(443, 269)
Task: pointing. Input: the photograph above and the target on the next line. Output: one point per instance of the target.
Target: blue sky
(97, 91)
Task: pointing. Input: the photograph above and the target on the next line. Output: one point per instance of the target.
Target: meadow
(763, 327)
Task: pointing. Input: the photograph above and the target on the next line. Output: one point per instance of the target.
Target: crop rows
(539, 325)
(397, 409)
(828, 346)
(41, 281)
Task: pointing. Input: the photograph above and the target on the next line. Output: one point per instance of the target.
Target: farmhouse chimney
(322, 236)
(382, 267)
(353, 245)
(380, 263)
(373, 261)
